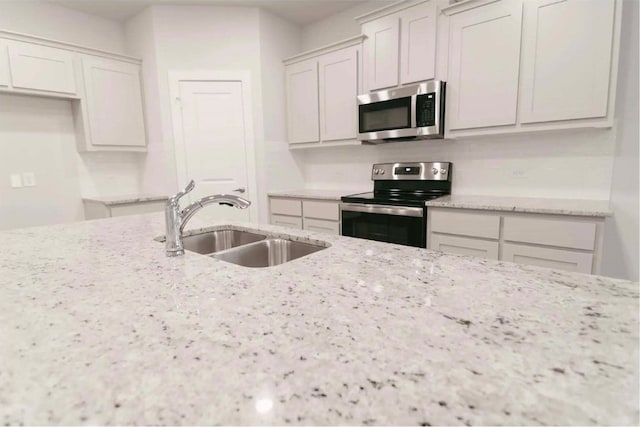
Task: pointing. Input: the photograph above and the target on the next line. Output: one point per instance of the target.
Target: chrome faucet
(175, 220)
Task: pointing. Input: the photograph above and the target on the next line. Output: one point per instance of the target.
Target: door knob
(239, 190)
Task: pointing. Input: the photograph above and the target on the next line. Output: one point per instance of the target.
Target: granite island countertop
(98, 327)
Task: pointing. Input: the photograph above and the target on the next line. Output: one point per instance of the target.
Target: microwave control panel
(426, 110)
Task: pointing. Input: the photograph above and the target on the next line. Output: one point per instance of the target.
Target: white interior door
(214, 143)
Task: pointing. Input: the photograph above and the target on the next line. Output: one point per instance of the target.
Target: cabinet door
(464, 246)
(114, 102)
(302, 101)
(558, 259)
(338, 73)
(418, 43)
(484, 58)
(292, 207)
(381, 52)
(566, 59)
(4, 64)
(287, 221)
(322, 226)
(43, 68)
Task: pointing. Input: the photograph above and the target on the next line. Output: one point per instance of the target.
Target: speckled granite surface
(98, 327)
(596, 208)
(123, 199)
(308, 193)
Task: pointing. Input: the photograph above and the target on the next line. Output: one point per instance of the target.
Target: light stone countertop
(595, 208)
(98, 326)
(124, 199)
(309, 193)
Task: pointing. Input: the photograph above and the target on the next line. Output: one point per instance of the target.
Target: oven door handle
(382, 209)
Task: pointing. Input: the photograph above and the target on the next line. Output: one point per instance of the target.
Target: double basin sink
(246, 248)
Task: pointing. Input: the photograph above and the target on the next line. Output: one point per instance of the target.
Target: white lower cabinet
(554, 241)
(464, 246)
(313, 215)
(323, 226)
(559, 259)
(287, 221)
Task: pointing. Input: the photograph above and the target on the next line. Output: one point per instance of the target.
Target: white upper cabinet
(321, 90)
(43, 68)
(113, 98)
(484, 59)
(381, 52)
(400, 44)
(418, 43)
(302, 101)
(5, 79)
(338, 77)
(566, 65)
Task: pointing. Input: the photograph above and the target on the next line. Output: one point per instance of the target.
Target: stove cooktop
(412, 199)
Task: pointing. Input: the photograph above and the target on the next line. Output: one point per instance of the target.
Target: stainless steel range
(395, 211)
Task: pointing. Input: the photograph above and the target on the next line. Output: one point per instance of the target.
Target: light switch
(16, 180)
(29, 179)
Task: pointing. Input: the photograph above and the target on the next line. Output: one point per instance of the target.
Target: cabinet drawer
(558, 259)
(321, 210)
(286, 207)
(287, 221)
(464, 246)
(550, 232)
(465, 223)
(331, 227)
(40, 67)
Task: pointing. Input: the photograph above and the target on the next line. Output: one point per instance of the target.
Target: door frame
(242, 76)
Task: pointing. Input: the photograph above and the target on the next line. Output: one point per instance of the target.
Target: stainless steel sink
(267, 253)
(219, 240)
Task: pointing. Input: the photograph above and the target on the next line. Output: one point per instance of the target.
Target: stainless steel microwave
(406, 113)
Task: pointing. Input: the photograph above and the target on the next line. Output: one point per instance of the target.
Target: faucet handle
(190, 186)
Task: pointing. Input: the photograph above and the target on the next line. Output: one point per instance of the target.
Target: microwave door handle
(414, 112)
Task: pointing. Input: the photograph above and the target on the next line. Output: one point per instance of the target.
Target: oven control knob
(381, 171)
(443, 171)
(376, 171)
(434, 171)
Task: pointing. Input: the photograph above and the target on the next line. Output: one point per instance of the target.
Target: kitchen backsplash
(571, 164)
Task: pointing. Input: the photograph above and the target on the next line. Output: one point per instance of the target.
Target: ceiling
(301, 12)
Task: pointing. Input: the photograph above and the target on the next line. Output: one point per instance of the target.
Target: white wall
(191, 38)
(216, 38)
(60, 23)
(279, 168)
(141, 42)
(94, 174)
(564, 164)
(339, 26)
(37, 135)
(621, 256)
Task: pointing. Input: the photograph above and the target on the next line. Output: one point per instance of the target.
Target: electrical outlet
(16, 180)
(29, 179)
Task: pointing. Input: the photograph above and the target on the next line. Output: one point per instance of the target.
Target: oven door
(391, 224)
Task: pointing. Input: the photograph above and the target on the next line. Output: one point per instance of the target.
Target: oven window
(403, 230)
(385, 115)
